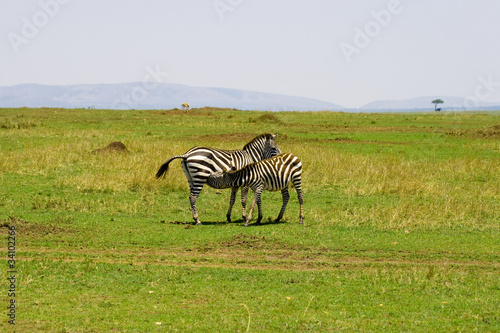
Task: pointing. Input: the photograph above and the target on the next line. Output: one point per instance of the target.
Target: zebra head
(271, 148)
(262, 147)
(220, 179)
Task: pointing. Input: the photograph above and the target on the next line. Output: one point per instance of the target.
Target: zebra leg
(234, 190)
(189, 177)
(244, 196)
(259, 205)
(256, 200)
(195, 190)
(286, 196)
(249, 216)
(301, 200)
(192, 199)
(252, 206)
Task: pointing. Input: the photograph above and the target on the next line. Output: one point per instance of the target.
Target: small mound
(113, 147)
(266, 118)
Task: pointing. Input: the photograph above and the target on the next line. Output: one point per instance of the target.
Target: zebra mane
(266, 136)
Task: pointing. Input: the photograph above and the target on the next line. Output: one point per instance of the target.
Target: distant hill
(152, 96)
(451, 103)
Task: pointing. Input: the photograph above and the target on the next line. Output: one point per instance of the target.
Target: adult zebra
(198, 163)
(273, 174)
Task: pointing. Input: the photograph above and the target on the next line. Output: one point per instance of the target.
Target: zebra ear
(275, 135)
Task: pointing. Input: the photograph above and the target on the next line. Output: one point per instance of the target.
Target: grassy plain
(401, 233)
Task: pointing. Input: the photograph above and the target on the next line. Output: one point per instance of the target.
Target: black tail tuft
(164, 168)
(162, 171)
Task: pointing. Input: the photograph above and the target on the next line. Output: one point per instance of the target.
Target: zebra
(199, 162)
(273, 174)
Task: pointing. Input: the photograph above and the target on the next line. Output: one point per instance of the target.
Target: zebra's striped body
(199, 163)
(273, 174)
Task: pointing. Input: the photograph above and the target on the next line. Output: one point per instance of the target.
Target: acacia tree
(436, 102)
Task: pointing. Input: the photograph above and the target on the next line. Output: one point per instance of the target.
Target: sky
(345, 52)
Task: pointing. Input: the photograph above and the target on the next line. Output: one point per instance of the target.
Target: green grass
(401, 225)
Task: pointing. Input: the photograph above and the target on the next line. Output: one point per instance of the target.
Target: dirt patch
(244, 241)
(242, 258)
(205, 111)
(173, 112)
(231, 137)
(113, 147)
(289, 139)
(26, 228)
(486, 133)
(347, 140)
(212, 108)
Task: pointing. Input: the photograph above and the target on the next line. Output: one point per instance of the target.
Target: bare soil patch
(205, 111)
(337, 139)
(26, 228)
(244, 241)
(239, 258)
(482, 133)
(230, 137)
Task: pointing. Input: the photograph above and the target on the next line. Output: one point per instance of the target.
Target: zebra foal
(273, 174)
(198, 163)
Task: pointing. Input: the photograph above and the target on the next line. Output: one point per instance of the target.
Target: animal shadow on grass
(269, 221)
(192, 223)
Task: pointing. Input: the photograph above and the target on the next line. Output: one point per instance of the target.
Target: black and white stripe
(273, 174)
(199, 163)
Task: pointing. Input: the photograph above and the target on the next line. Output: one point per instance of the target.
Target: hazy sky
(345, 52)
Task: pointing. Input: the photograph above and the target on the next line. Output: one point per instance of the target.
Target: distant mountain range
(150, 95)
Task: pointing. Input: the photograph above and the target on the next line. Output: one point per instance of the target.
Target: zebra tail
(164, 168)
